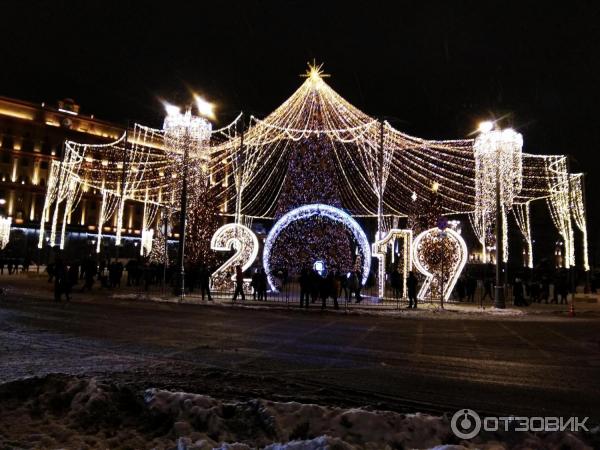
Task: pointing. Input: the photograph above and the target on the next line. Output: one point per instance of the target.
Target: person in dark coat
(204, 279)
(471, 287)
(305, 285)
(262, 285)
(411, 287)
(460, 289)
(396, 282)
(239, 283)
(60, 279)
(315, 285)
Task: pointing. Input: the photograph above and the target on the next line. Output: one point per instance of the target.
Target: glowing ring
(318, 209)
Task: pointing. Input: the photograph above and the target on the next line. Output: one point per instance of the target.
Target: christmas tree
(311, 178)
(202, 222)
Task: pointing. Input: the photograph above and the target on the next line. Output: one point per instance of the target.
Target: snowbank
(60, 411)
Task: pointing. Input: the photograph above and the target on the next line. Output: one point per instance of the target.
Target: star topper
(314, 71)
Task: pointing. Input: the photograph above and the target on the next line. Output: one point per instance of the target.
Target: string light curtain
(247, 168)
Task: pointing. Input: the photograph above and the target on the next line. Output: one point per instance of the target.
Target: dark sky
(436, 68)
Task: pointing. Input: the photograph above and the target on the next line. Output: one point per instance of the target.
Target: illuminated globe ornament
(317, 210)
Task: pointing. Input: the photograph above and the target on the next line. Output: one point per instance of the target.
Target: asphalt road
(538, 366)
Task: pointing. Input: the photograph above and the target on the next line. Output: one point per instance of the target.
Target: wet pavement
(528, 366)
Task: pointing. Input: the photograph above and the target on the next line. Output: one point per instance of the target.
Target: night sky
(434, 70)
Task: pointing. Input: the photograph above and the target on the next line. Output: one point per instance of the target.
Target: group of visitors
(314, 286)
(12, 265)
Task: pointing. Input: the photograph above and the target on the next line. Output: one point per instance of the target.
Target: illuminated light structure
(186, 136)
(233, 236)
(498, 181)
(247, 167)
(523, 218)
(307, 212)
(579, 213)
(379, 251)
(5, 223)
(146, 247)
(440, 256)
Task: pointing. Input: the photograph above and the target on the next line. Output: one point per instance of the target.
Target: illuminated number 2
(236, 237)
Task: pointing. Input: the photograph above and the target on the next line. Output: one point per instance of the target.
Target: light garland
(146, 246)
(441, 268)
(5, 223)
(579, 215)
(306, 212)
(498, 159)
(244, 242)
(523, 218)
(378, 167)
(379, 251)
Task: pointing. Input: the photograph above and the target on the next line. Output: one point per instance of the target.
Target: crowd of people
(313, 287)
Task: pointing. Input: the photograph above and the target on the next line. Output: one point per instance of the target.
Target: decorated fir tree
(202, 222)
(311, 178)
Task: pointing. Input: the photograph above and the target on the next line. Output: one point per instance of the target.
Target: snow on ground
(60, 411)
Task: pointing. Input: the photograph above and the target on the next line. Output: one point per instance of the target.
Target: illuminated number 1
(379, 251)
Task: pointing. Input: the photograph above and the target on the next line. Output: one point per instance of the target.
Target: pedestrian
(334, 288)
(60, 279)
(254, 285)
(262, 285)
(411, 286)
(396, 282)
(1, 266)
(50, 269)
(471, 285)
(239, 283)
(315, 285)
(204, 278)
(460, 289)
(518, 298)
(304, 281)
(487, 289)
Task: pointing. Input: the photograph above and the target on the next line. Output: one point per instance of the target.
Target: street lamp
(186, 135)
(498, 180)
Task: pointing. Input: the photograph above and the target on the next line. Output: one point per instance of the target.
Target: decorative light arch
(318, 209)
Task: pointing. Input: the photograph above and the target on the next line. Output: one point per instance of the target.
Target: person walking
(411, 287)
(239, 283)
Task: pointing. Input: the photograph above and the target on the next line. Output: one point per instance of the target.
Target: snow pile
(201, 423)
(61, 411)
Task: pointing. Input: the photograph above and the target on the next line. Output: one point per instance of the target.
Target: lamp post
(498, 180)
(185, 137)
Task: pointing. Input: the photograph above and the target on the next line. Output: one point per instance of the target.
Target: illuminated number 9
(236, 237)
(440, 256)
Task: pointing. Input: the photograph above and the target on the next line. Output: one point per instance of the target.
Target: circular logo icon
(465, 423)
